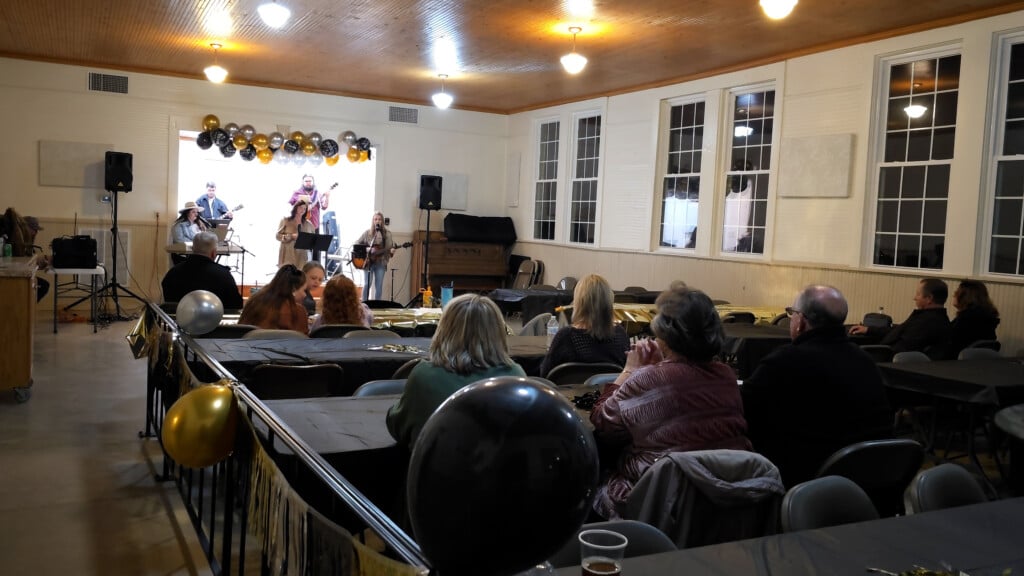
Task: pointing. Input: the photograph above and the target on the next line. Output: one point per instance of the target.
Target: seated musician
(470, 344)
(199, 272)
(277, 305)
(593, 336)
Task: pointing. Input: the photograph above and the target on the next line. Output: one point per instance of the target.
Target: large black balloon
(248, 153)
(228, 150)
(328, 148)
(204, 140)
(363, 143)
(502, 475)
(290, 146)
(220, 137)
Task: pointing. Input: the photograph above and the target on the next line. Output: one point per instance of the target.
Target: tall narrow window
(746, 193)
(681, 183)
(583, 204)
(916, 154)
(546, 191)
(1006, 255)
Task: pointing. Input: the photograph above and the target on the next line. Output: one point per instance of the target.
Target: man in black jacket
(821, 393)
(925, 330)
(200, 272)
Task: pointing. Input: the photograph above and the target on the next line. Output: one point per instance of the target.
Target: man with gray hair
(200, 272)
(821, 393)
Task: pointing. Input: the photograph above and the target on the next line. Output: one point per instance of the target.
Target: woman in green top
(470, 345)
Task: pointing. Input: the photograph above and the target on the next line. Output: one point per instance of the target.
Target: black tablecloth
(533, 302)
(746, 344)
(982, 540)
(991, 381)
(360, 358)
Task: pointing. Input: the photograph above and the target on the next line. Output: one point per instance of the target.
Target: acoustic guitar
(368, 257)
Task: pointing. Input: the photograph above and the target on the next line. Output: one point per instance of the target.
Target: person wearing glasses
(277, 305)
(816, 395)
(213, 207)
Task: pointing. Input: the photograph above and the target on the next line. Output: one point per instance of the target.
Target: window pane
(889, 183)
(913, 182)
(945, 108)
(1010, 179)
(1006, 217)
(899, 80)
(676, 116)
(1013, 138)
(696, 161)
(919, 145)
(1017, 62)
(934, 217)
(1004, 255)
(924, 120)
(949, 72)
(938, 181)
(908, 250)
(910, 216)
(896, 147)
(888, 211)
(942, 146)
(932, 248)
(885, 249)
(897, 118)
(924, 76)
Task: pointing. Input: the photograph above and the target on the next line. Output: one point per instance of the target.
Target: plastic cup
(447, 290)
(601, 552)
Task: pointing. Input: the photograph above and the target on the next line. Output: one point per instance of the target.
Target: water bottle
(552, 329)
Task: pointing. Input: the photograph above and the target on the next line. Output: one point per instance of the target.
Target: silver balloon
(281, 156)
(199, 312)
(231, 129)
(315, 159)
(348, 137)
(276, 139)
(314, 137)
(248, 130)
(298, 159)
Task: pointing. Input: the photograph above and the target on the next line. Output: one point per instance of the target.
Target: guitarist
(213, 207)
(380, 249)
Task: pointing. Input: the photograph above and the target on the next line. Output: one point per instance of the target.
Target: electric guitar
(365, 262)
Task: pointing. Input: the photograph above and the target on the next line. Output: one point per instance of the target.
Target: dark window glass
(1010, 178)
(899, 79)
(1017, 62)
(896, 147)
(885, 249)
(889, 183)
(949, 72)
(913, 182)
(1004, 256)
(934, 217)
(1013, 137)
(888, 211)
(919, 145)
(924, 76)
(1006, 217)
(932, 248)
(938, 181)
(942, 144)
(897, 118)
(945, 108)
(910, 216)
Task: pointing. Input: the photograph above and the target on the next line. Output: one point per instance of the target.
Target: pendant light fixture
(777, 9)
(274, 14)
(915, 110)
(442, 99)
(215, 73)
(573, 62)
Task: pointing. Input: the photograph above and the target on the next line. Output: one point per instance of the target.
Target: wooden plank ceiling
(506, 51)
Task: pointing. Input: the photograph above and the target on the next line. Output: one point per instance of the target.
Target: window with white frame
(746, 193)
(546, 187)
(681, 182)
(583, 202)
(1006, 255)
(914, 159)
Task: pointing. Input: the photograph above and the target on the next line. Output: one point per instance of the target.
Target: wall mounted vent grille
(403, 115)
(108, 83)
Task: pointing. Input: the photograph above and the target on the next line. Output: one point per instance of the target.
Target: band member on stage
(288, 231)
(212, 206)
(380, 249)
(186, 227)
(317, 200)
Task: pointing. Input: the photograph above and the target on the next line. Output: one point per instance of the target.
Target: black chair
(882, 468)
(379, 304)
(910, 356)
(543, 287)
(944, 486)
(739, 318)
(782, 320)
(601, 379)
(537, 326)
(823, 502)
(643, 539)
(381, 387)
(877, 320)
(634, 289)
(879, 352)
(567, 283)
(626, 298)
(978, 354)
(578, 372)
(277, 382)
(524, 277)
(335, 330)
(371, 333)
(991, 344)
(404, 370)
(228, 331)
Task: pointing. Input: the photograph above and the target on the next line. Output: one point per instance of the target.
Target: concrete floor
(77, 493)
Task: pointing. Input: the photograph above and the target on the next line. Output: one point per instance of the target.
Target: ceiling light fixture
(442, 99)
(273, 14)
(777, 9)
(573, 62)
(215, 73)
(915, 110)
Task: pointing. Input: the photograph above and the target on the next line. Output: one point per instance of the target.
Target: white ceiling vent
(403, 115)
(108, 83)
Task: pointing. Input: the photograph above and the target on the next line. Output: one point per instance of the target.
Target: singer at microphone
(381, 246)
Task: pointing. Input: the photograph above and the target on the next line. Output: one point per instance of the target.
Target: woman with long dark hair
(288, 232)
(976, 316)
(276, 305)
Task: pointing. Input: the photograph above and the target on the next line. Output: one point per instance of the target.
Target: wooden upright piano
(469, 266)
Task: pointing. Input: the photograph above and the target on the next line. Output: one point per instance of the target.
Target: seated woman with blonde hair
(341, 305)
(593, 336)
(470, 344)
(276, 305)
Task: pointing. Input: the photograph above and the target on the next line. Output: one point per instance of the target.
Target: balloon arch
(295, 148)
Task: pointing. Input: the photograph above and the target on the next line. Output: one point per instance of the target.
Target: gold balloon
(265, 155)
(239, 141)
(199, 429)
(260, 142)
(299, 137)
(332, 160)
(308, 147)
(210, 122)
(364, 155)
(353, 154)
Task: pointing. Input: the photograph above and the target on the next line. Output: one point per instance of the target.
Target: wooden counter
(17, 308)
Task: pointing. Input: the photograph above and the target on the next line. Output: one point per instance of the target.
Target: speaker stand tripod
(425, 276)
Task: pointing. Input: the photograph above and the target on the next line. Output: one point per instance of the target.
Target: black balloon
(502, 475)
(228, 150)
(363, 143)
(220, 137)
(291, 146)
(328, 148)
(204, 140)
(248, 153)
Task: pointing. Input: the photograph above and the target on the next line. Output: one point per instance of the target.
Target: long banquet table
(982, 540)
(989, 381)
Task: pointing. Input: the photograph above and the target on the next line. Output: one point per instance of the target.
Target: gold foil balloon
(332, 160)
(298, 136)
(265, 155)
(353, 154)
(308, 147)
(210, 122)
(260, 141)
(364, 155)
(239, 141)
(199, 429)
